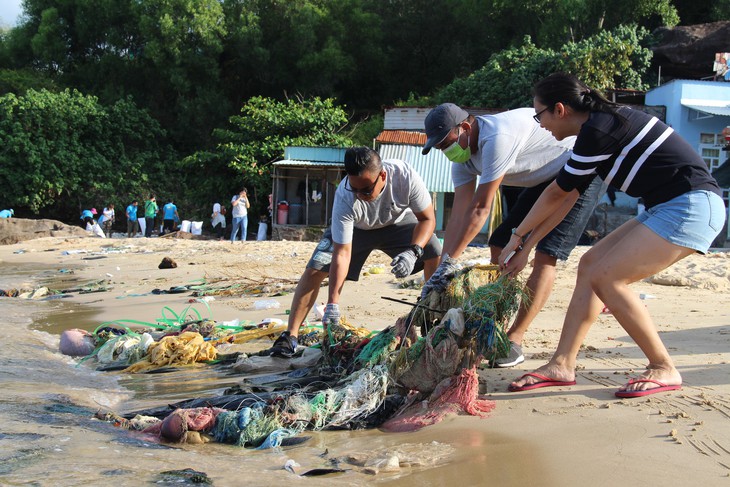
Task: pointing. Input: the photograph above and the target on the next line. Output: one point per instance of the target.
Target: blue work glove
(404, 263)
(440, 279)
(331, 314)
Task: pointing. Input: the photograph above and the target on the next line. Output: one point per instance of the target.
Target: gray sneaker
(515, 357)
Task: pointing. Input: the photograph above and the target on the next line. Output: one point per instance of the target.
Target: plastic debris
(266, 304)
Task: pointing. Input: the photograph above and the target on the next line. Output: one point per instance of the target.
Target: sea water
(48, 434)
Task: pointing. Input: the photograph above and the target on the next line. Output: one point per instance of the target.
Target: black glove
(404, 263)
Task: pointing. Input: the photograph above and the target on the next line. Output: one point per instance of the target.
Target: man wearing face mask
(509, 148)
(380, 205)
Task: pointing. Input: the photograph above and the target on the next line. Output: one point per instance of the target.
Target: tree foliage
(192, 64)
(65, 150)
(609, 59)
(257, 137)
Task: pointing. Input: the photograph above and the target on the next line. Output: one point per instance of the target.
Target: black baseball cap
(439, 123)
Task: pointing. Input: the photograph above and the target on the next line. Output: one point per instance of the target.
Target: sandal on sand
(544, 382)
(661, 387)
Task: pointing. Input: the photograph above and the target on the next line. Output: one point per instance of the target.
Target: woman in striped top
(638, 154)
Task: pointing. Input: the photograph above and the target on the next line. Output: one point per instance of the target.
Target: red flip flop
(662, 387)
(544, 382)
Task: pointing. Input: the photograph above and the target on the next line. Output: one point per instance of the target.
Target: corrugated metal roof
(434, 168)
(322, 154)
(411, 118)
(299, 163)
(401, 137)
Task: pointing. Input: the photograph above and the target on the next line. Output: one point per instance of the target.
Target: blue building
(698, 110)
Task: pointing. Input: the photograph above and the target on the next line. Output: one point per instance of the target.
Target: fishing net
(454, 395)
(488, 312)
(362, 394)
(341, 342)
(249, 426)
(378, 349)
(433, 358)
(433, 306)
(184, 349)
(364, 378)
(126, 349)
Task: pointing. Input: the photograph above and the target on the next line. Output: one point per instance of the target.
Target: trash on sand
(266, 304)
(167, 263)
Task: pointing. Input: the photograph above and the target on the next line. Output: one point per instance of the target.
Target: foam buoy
(76, 343)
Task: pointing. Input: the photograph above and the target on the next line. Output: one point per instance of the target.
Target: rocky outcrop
(689, 51)
(14, 230)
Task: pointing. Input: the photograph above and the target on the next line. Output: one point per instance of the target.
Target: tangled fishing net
(184, 349)
(393, 379)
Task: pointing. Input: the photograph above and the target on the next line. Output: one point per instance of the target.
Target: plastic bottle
(266, 304)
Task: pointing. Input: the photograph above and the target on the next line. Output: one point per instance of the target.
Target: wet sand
(555, 436)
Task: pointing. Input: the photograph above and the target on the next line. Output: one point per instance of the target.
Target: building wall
(690, 123)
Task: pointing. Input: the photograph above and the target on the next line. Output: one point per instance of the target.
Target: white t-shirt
(216, 217)
(514, 145)
(404, 192)
(240, 209)
(107, 214)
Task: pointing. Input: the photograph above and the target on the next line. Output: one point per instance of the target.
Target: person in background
(218, 220)
(240, 206)
(150, 212)
(169, 216)
(643, 157)
(132, 221)
(106, 220)
(509, 148)
(7, 213)
(87, 217)
(381, 205)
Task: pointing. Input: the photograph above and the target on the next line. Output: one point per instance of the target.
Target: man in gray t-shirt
(380, 205)
(509, 148)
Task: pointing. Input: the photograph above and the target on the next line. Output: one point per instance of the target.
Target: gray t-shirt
(514, 145)
(404, 192)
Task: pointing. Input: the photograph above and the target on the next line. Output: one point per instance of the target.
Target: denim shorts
(565, 236)
(691, 220)
(392, 240)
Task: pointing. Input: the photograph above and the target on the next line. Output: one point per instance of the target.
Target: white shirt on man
(512, 144)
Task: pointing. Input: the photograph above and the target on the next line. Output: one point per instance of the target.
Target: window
(710, 150)
(707, 138)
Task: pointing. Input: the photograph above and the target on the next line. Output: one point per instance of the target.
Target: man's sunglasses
(364, 191)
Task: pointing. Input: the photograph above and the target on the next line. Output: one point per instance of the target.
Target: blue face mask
(456, 153)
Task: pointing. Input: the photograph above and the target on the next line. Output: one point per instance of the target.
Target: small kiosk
(303, 191)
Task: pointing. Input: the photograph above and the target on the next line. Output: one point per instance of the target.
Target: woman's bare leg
(630, 253)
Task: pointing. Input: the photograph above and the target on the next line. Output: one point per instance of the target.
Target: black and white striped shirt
(642, 157)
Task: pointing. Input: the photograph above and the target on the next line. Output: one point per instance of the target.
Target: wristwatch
(418, 250)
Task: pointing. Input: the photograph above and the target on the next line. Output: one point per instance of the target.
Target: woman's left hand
(515, 263)
(510, 257)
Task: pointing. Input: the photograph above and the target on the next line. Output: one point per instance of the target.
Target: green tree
(551, 23)
(256, 138)
(65, 150)
(610, 59)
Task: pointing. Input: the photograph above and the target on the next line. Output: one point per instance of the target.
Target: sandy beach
(556, 436)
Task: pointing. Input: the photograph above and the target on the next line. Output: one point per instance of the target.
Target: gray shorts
(561, 241)
(392, 240)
